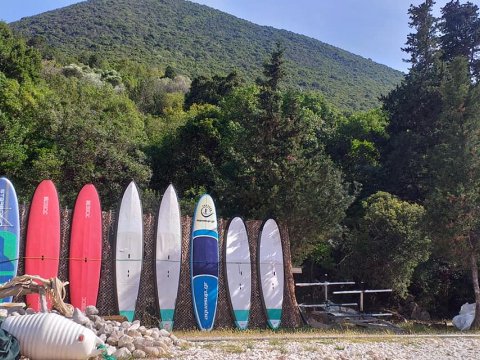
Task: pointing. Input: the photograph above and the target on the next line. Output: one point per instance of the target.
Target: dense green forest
(389, 196)
(197, 40)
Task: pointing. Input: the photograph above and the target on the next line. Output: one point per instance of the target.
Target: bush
(388, 243)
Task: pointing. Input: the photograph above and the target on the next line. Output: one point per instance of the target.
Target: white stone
(139, 340)
(130, 347)
(139, 354)
(118, 333)
(91, 310)
(122, 353)
(133, 333)
(134, 326)
(148, 343)
(146, 337)
(126, 324)
(112, 340)
(125, 339)
(162, 344)
(106, 329)
(79, 317)
(152, 351)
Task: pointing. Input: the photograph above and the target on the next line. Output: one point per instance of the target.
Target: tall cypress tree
(460, 28)
(412, 108)
(422, 44)
(453, 203)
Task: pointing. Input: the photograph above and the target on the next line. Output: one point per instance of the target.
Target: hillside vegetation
(197, 40)
(388, 196)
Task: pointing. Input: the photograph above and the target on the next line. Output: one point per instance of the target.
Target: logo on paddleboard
(206, 210)
(205, 300)
(45, 205)
(2, 205)
(88, 206)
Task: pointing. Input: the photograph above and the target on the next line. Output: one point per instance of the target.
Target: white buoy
(49, 336)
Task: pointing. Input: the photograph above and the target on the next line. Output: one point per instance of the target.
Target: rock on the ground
(91, 310)
(79, 317)
(122, 353)
(139, 354)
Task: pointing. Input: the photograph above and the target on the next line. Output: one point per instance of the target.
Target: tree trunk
(476, 287)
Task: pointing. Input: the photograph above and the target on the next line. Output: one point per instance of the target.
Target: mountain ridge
(199, 40)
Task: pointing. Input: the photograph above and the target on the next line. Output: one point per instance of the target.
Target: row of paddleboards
(42, 253)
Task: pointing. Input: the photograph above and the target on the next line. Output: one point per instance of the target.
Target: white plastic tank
(49, 336)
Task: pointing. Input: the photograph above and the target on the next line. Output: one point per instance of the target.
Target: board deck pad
(271, 272)
(238, 270)
(85, 249)
(168, 256)
(204, 262)
(9, 233)
(42, 248)
(129, 251)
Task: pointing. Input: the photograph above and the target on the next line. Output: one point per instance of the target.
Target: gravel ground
(361, 348)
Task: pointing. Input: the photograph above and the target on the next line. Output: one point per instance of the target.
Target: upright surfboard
(85, 248)
(204, 262)
(238, 270)
(129, 251)
(42, 248)
(168, 256)
(271, 272)
(9, 232)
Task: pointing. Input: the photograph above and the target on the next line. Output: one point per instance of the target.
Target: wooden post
(43, 300)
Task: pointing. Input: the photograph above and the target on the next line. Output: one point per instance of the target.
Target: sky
(375, 29)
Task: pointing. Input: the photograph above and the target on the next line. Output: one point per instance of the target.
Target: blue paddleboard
(204, 262)
(9, 232)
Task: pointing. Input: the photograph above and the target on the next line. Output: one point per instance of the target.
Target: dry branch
(53, 289)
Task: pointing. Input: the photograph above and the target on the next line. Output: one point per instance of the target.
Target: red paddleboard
(85, 249)
(42, 248)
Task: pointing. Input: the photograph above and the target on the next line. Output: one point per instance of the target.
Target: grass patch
(310, 348)
(444, 327)
(209, 346)
(232, 348)
(184, 346)
(275, 342)
(409, 328)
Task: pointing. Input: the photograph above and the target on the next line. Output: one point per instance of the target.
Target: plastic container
(49, 336)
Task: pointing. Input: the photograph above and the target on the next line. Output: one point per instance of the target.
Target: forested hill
(198, 40)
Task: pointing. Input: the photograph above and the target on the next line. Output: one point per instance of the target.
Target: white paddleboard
(271, 272)
(129, 251)
(168, 256)
(238, 271)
